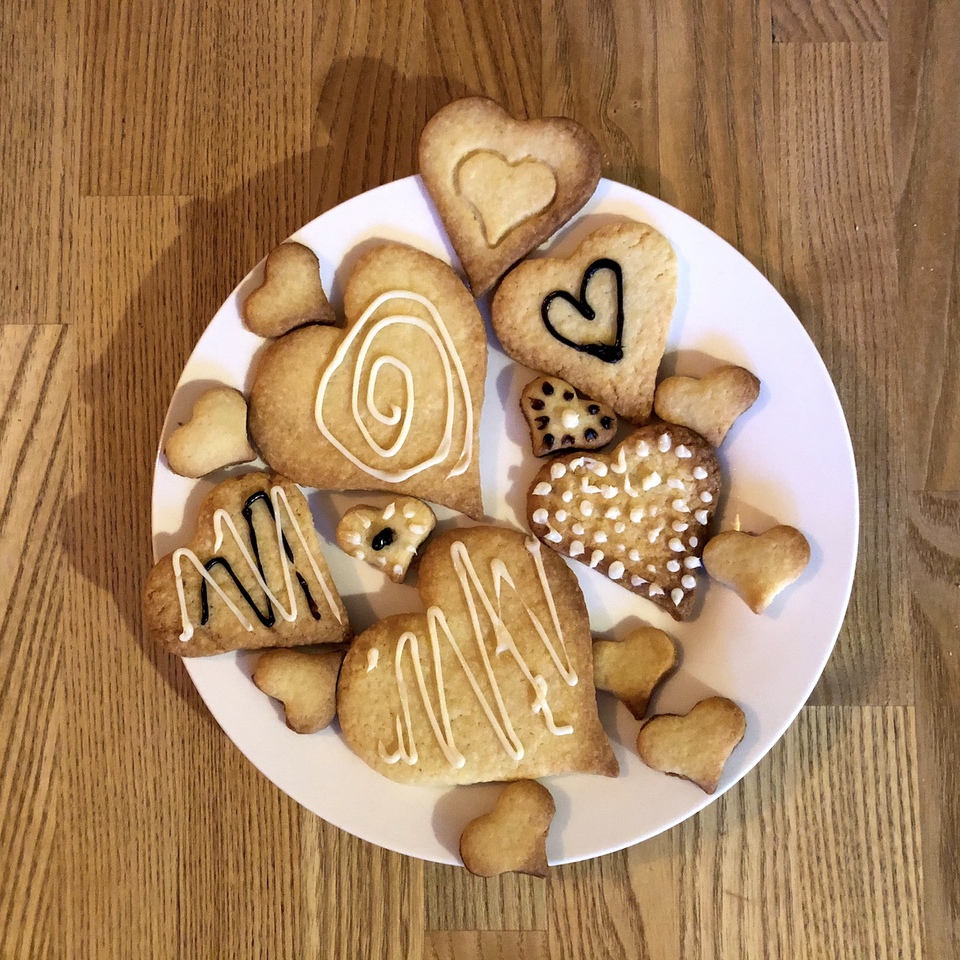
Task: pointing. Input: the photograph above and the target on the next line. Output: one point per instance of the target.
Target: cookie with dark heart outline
(503, 186)
(390, 403)
(598, 318)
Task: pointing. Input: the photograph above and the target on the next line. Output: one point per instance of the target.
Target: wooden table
(153, 152)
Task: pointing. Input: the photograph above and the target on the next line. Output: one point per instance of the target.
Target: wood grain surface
(152, 153)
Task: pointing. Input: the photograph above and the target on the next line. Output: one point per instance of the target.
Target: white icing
(586, 508)
(561, 516)
(570, 419)
(664, 443)
(596, 466)
(557, 470)
(553, 536)
(688, 581)
(693, 542)
(628, 488)
(619, 527)
(655, 590)
(676, 595)
(673, 566)
(679, 526)
(599, 537)
(373, 657)
(653, 534)
(409, 511)
(365, 521)
(636, 514)
(566, 496)
(390, 511)
(634, 555)
(702, 517)
(681, 506)
(576, 548)
(650, 481)
(621, 463)
(643, 449)
(674, 484)
(596, 557)
(612, 513)
(706, 496)
(352, 537)
(615, 572)
(587, 487)
(542, 489)
(691, 563)
(683, 452)
(637, 581)
(651, 568)
(577, 528)
(457, 391)
(675, 545)
(540, 516)
(418, 529)
(397, 570)
(699, 473)
(608, 492)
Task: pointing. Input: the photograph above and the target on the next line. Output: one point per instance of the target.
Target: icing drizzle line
(447, 351)
(496, 713)
(222, 518)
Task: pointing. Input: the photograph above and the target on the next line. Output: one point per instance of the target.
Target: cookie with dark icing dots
(561, 420)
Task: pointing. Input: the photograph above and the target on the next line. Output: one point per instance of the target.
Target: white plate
(788, 460)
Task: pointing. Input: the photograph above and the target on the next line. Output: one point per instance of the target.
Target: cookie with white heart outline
(494, 681)
(252, 576)
(757, 566)
(387, 538)
(561, 419)
(512, 838)
(639, 514)
(305, 683)
(390, 403)
(598, 318)
(215, 436)
(710, 405)
(290, 295)
(695, 745)
(503, 186)
(632, 668)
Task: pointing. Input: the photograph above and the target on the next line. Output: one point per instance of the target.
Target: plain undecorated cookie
(527, 713)
(305, 683)
(639, 514)
(710, 405)
(408, 421)
(598, 318)
(512, 838)
(204, 599)
(503, 186)
(215, 436)
(632, 668)
(757, 567)
(290, 295)
(694, 746)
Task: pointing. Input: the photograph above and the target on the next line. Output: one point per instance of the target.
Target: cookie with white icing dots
(639, 515)
(392, 402)
(253, 575)
(290, 294)
(493, 682)
(598, 318)
(503, 186)
(386, 538)
(561, 420)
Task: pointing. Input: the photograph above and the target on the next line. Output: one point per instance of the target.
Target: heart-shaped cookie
(253, 576)
(512, 838)
(561, 420)
(215, 436)
(503, 186)
(493, 682)
(502, 194)
(757, 567)
(695, 746)
(305, 683)
(387, 538)
(638, 514)
(391, 403)
(711, 405)
(290, 295)
(598, 318)
(632, 668)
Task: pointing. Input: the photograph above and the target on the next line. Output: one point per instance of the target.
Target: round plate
(788, 460)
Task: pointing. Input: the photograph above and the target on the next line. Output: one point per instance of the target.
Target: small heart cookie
(390, 403)
(694, 746)
(709, 405)
(638, 514)
(215, 436)
(561, 420)
(632, 668)
(305, 683)
(598, 318)
(388, 538)
(513, 837)
(757, 567)
(291, 293)
(503, 186)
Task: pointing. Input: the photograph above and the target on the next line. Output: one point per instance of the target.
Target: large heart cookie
(711, 405)
(599, 318)
(512, 838)
(757, 567)
(291, 293)
(639, 514)
(390, 403)
(503, 186)
(493, 682)
(215, 436)
(695, 746)
(253, 576)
